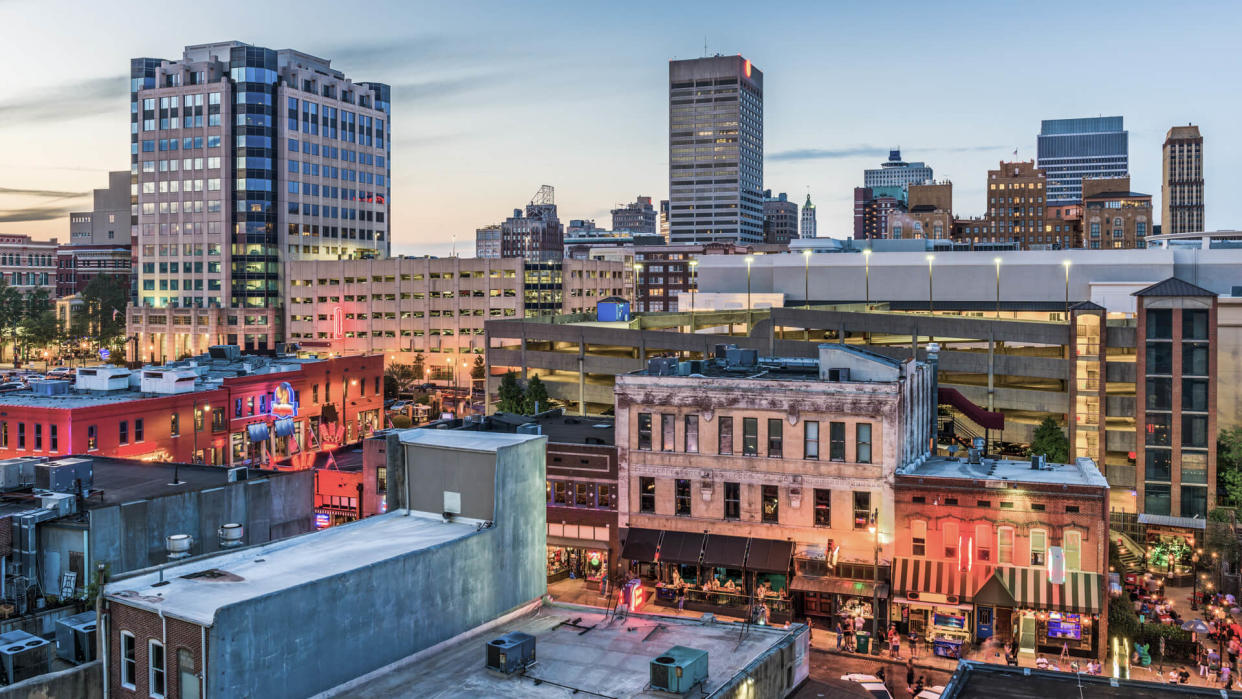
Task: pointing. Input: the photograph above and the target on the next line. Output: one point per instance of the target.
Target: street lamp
(694, 283)
(867, 283)
(749, 260)
(806, 283)
(875, 578)
(1067, 263)
(998, 264)
(931, 308)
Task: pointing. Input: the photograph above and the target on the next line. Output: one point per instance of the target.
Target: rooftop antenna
(704, 46)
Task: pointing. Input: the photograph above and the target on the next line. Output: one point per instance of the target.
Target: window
(983, 542)
(692, 434)
(1039, 547)
(771, 503)
(1073, 550)
(646, 494)
(732, 500)
(750, 436)
(823, 507)
(1157, 498)
(1194, 431)
(810, 440)
(1004, 537)
(38, 434)
(129, 661)
(1160, 324)
(836, 441)
(862, 438)
(949, 537)
(862, 509)
(682, 499)
(776, 439)
(725, 438)
(644, 431)
(668, 432)
(4, 434)
(155, 673)
(52, 438)
(1194, 324)
(138, 430)
(918, 538)
(92, 437)
(174, 424)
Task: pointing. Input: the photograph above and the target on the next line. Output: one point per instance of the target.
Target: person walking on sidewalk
(910, 672)
(681, 598)
(894, 642)
(840, 635)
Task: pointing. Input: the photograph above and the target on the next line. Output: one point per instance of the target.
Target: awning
(918, 575)
(681, 547)
(835, 586)
(769, 556)
(1167, 521)
(641, 545)
(725, 551)
(1029, 587)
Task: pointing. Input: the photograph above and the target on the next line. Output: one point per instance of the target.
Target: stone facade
(1016, 202)
(1113, 216)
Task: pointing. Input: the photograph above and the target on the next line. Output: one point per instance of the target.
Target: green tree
(401, 421)
(400, 378)
(1229, 465)
(512, 397)
(11, 306)
(41, 330)
(420, 368)
(1050, 440)
(479, 370)
(536, 396)
(104, 300)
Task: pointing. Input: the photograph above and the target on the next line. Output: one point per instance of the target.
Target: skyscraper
(808, 218)
(715, 150)
(780, 218)
(1182, 185)
(637, 217)
(895, 172)
(247, 157)
(1071, 149)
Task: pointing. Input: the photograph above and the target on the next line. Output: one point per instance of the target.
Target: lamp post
(1067, 263)
(998, 264)
(867, 278)
(931, 307)
(875, 578)
(694, 283)
(749, 260)
(806, 279)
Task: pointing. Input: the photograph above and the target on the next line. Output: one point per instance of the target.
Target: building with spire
(896, 172)
(808, 218)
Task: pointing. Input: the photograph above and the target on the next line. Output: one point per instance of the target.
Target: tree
(420, 368)
(104, 300)
(536, 396)
(479, 370)
(400, 378)
(11, 305)
(512, 397)
(1050, 440)
(40, 329)
(1229, 465)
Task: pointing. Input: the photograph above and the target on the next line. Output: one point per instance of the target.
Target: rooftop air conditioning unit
(23, 656)
(678, 670)
(1039, 461)
(238, 473)
(75, 638)
(512, 652)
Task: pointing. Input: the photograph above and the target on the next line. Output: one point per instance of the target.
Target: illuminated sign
(338, 323)
(746, 67)
(1056, 565)
(284, 404)
(322, 520)
(104, 353)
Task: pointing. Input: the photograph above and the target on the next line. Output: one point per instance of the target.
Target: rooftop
(127, 480)
(975, 679)
(487, 441)
(1083, 473)
(607, 659)
(554, 424)
(238, 576)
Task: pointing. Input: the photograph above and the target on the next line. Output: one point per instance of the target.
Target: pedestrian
(681, 599)
(1234, 648)
(913, 641)
(1203, 661)
(810, 631)
(849, 635)
(918, 686)
(840, 635)
(1226, 675)
(910, 671)
(894, 642)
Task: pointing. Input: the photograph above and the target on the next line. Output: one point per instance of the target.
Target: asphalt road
(827, 668)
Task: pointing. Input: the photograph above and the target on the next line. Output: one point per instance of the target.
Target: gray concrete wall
(81, 682)
(471, 475)
(131, 536)
(310, 638)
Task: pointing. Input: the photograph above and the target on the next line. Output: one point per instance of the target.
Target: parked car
(399, 407)
(61, 372)
(11, 386)
(871, 684)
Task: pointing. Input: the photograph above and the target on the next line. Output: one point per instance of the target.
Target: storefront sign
(283, 402)
(1068, 626)
(338, 323)
(322, 520)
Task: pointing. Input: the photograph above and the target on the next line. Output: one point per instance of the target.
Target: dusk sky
(493, 99)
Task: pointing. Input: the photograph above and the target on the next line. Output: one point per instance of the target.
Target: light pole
(875, 578)
(1067, 268)
(806, 280)
(749, 260)
(998, 264)
(931, 308)
(867, 281)
(694, 283)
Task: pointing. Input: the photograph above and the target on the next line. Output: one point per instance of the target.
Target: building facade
(780, 218)
(715, 151)
(1016, 204)
(487, 242)
(28, 264)
(896, 172)
(665, 271)
(1069, 150)
(107, 223)
(534, 234)
(809, 226)
(1113, 216)
(638, 216)
(872, 208)
(1181, 187)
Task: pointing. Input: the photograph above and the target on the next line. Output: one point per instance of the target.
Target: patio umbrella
(1196, 626)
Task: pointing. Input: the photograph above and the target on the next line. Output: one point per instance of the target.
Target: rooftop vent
(49, 387)
(231, 535)
(104, 378)
(225, 352)
(679, 669)
(735, 356)
(178, 546)
(512, 652)
(1039, 462)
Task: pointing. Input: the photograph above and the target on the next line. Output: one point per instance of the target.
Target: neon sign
(338, 323)
(322, 520)
(284, 404)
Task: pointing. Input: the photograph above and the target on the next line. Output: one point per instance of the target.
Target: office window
(1004, 537)
(983, 542)
(155, 673)
(862, 438)
(949, 538)
(138, 430)
(918, 538)
(1039, 547)
(1194, 324)
(1194, 501)
(1194, 395)
(646, 494)
(668, 432)
(810, 439)
(732, 500)
(1159, 393)
(862, 509)
(725, 439)
(644, 431)
(1159, 429)
(823, 507)
(1194, 359)
(776, 439)
(1160, 324)
(836, 441)
(1073, 550)
(1160, 358)
(692, 434)
(771, 503)
(129, 660)
(174, 424)
(1194, 431)
(682, 497)
(1157, 498)
(750, 436)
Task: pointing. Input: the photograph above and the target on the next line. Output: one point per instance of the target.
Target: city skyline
(833, 105)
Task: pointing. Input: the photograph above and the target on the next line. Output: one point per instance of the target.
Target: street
(829, 667)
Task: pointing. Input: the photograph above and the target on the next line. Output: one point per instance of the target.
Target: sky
(493, 99)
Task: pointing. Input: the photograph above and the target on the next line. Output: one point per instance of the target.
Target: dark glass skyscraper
(1071, 149)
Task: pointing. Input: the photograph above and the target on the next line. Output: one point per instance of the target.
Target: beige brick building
(1113, 216)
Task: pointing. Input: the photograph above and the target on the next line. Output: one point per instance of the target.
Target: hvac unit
(75, 638)
(529, 428)
(63, 504)
(63, 475)
(679, 669)
(238, 473)
(512, 652)
(23, 656)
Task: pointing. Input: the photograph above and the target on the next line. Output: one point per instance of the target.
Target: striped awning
(922, 576)
(1079, 594)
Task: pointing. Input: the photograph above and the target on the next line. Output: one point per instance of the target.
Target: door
(187, 678)
(983, 620)
(1026, 634)
(1002, 623)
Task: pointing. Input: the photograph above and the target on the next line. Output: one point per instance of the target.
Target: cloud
(68, 101)
(430, 90)
(33, 213)
(393, 53)
(42, 193)
(863, 151)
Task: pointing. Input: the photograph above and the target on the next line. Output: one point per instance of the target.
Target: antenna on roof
(704, 46)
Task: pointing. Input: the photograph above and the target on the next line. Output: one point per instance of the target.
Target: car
(399, 407)
(11, 386)
(871, 684)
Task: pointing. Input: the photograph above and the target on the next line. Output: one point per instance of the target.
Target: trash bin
(864, 642)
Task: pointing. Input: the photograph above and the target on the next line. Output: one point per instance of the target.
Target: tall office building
(780, 218)
(895, 172)
(535, 234)
(1070, 149)
(245, 158)
(715, 150)
(636, 217)
(1182, 185)
(808, 218)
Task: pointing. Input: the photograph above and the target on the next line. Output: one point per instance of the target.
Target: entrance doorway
(1026, 634)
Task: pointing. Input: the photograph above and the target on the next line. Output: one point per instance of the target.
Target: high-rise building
(808, 218)
(872, 207)
(636, 217)
(896, 173)
(487, 242)
(245, 158)
(664, 219)
(1016, 206)
(1070, 149)
(535, 234)
(715, 150)
(1182, 185)
(780, 218)
(99, 240)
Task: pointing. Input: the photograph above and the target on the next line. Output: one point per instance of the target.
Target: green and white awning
(1029, 587)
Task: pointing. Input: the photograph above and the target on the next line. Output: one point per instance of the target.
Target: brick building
(1016, 204)
(1064, 221)
(872, 207)
(1113, 216)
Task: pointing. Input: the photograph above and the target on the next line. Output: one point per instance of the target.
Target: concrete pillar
(582, 375)
(991, 369)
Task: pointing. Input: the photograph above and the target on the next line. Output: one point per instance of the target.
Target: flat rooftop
(975, 680)
(455, 439)
(237, 576)
(1008, 470)
(558, 427)
(127, 480)
(609, 659)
